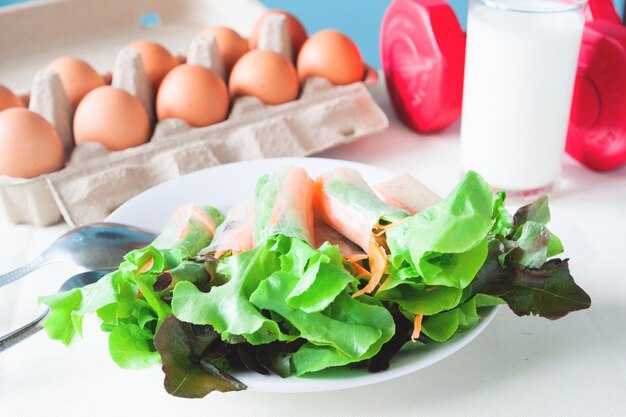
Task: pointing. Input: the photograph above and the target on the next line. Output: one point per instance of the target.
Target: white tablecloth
(575, 366)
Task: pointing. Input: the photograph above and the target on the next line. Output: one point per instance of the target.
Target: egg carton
(95, 181)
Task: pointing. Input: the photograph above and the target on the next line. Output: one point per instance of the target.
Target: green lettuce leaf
(365, 325)
(447, 243)
(503, 221)
(442, 326)
(135, 269)
(131, 347)
(322, 281)
(126, 300)
(318, 328)
(228, 308)
(110, 297)
(420, 299)
(62, 323)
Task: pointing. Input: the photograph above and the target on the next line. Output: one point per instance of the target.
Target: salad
(313, 274)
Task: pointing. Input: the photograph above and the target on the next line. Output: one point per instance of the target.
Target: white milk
(519, 79)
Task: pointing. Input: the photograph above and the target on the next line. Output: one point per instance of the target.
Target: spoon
(95, 246)
(24, 332)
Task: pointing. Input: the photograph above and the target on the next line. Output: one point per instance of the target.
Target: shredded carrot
(378, 263)
(355, 257)
(146, 267)
(360, 270)
(417, 327)
(139, 295)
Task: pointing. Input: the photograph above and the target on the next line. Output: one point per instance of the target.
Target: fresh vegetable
(236, 233)
(344, 201)
(307, 291)
(260, 290)
(126, 300)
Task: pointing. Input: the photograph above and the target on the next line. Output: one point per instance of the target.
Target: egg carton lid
(96, 181)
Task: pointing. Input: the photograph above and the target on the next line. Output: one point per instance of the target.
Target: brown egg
(297, 33)
(332, 55)
(157, 61)
(266, 75)
(8, 99)
(112, 117)
(29, 145)
(77, 76)
(194, 94)
(230, 44)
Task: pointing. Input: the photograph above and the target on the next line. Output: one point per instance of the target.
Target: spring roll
(236, 233)
(190, 229)
(283, 206)
(407, 193)
(344, 201)
(325, 233)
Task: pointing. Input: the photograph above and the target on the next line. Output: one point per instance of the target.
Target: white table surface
(575, 366)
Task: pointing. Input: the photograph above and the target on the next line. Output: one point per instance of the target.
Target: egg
(77, 76)
(332, 55)
(112, 117)
(29, 145)
(194, 94)
(157, 61)
(230, 44)
(296, 31)
(266, 75)
(8, 99)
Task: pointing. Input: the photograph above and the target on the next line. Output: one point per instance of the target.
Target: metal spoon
(95, 246)
(24, 332)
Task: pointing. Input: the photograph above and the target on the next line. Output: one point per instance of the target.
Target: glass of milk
(520, 66)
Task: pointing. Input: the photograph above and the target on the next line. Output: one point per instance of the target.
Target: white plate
(225, 185)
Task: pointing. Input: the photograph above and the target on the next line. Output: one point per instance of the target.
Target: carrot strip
(355, 257)
(146, 267)
(417, 327)
(378, 263)
(360, 270)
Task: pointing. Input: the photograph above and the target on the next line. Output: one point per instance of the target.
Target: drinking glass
(520, 67)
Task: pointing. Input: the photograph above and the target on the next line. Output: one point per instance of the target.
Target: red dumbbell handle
(602, 10)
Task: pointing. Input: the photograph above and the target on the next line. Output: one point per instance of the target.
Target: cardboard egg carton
(96, 181)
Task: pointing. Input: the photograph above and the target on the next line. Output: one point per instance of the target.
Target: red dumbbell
(602, 10)
(423, 56)
(597, 131)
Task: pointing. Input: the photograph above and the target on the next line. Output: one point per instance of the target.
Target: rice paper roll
(190, 229)
(325, 233)
(347, 203)
(344, 201)
(283, 205)
(236, 233)
(407, 193)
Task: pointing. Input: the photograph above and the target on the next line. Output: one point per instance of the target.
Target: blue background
(359, 19)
